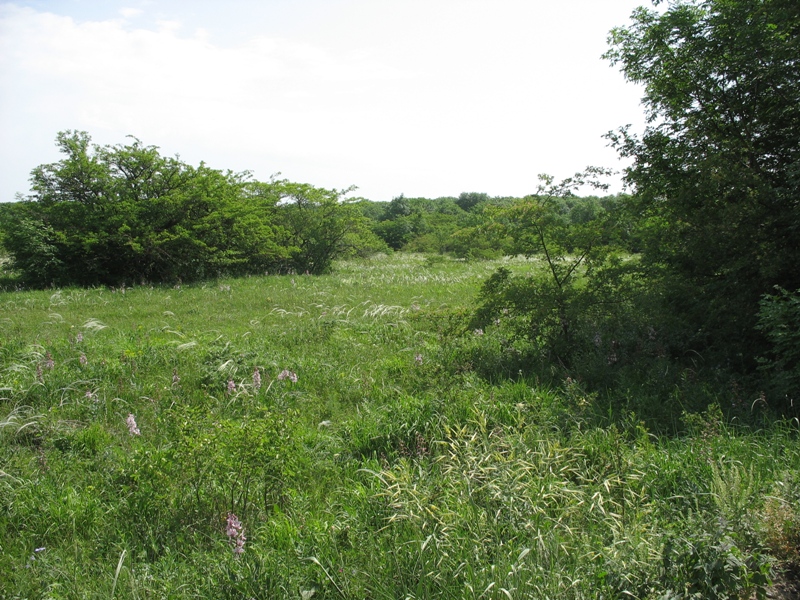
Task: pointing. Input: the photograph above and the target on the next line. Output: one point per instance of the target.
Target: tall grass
(411, 458)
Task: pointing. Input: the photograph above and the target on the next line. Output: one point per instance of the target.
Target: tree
(560, 310)
(124, 213)
(717, 169)
(320, 225)
(469, 200)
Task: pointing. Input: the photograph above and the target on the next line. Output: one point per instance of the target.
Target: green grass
(408, 460)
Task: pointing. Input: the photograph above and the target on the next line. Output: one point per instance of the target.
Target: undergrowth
(369, 444)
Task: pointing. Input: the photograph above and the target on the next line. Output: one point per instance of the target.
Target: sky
(425, 98)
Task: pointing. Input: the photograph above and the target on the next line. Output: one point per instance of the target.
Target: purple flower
(133, 429)
(418, 358)
(287, 374)
(235, 532)
(79, 337)
(256, 379)
(231, 386)
(49, 363)
(83, 359)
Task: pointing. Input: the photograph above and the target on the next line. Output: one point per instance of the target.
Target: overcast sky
(417, 97)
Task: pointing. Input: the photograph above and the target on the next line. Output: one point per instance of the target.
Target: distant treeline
(466, 226)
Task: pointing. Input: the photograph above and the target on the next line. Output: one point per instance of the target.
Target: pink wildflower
(133, 429)
(83, 359)
(79, 337)
(418, 358)
(49, 363)
(175, 379)
(287, 374)
(235, 532)
(231, 386)
(256, 379)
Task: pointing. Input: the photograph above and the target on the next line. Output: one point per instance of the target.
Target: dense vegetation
(370, 445)
(549, 396)
(124, 214)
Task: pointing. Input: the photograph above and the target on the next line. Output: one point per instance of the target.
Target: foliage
(779, 321)
(470, 200)
(319, 225)
(568, 304)
(121, 214)
(716, 169)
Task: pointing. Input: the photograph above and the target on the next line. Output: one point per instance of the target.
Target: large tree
(717, 169)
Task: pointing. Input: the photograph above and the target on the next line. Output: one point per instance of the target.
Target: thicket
(709, 295)
(125, 214)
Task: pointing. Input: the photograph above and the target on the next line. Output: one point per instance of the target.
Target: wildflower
(287, 374)
(49, 363)
(235, 532)
(478, 331)
(90, 395)
(79, 337)
(83, 359)
(175, 379)
(256, 379)
(231, 386)
(39, 376)
(132, 427)
(418, 358)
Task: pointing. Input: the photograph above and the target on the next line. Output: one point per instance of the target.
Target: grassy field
(348, 436)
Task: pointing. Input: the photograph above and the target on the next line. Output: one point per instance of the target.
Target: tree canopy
(717, 169)
(124, 213)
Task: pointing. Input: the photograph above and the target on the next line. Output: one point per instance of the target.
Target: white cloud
(130, 13)
(421, 98)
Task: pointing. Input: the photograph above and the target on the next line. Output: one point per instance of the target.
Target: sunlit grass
(390, 469)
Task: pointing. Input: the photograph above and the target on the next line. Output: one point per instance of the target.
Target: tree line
(697, 266)
(108, 215)
(126, 214)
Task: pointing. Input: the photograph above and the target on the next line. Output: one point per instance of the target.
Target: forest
(213, 386)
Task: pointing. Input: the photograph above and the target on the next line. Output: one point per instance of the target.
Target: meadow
(351, 436)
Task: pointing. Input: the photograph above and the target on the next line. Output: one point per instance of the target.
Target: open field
(349, 424)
